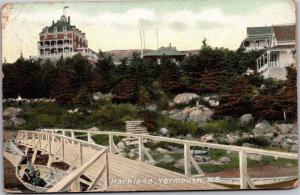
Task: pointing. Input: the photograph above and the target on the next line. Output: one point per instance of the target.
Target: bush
(225, 125)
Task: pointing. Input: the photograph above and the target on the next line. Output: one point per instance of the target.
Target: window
(65, 29)
(256, 43)
(55, 29)
(246, 44)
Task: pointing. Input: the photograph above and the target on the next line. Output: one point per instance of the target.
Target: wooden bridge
(103, 168)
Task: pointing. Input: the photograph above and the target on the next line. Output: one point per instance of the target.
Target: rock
(202, 158)
(121, 146)
(171, 104)
(285, 128)
(199, 152)
(225, 160)
(185, 98)
(294, 148)
(151, 107)
(163, 131)
(17, 121)
(94, 129)
(179, 116)
(262, 129)
(207, 138)
(188, 137)
(164, 112)
(7, 123)
(179, 164)
(285, 145)
(246, 118)
(213, 103)
(256, 157)
(232, 138)
(161, 150)
(97, 96)
(166, 159)
(12, 112)
(200, 114)
(131, 154)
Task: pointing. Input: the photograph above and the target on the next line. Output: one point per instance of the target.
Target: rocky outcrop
(11, 117)
(185, 98)
(198, 114)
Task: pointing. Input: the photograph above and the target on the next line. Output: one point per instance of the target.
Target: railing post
(73, 136)
(62, 148)
(107, 170)
(141, 146)
(34, 156)
(89, 137)
(80, 154)
(49, 151)
(75, 186)
(63, 133)
(243, 170)
(110, 140)
(187, 163)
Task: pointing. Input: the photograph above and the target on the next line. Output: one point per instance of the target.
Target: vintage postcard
(149, 95)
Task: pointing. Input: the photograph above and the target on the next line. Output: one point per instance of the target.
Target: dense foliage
(212, 71)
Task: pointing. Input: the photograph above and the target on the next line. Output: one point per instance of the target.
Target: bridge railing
(55, 145)
(243, 152)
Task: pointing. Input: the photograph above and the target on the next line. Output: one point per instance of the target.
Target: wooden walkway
(103, 168)
(123, 174)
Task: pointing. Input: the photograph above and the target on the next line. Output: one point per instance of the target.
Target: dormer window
(65, 29)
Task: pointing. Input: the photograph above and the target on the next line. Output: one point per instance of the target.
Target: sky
(112, 25)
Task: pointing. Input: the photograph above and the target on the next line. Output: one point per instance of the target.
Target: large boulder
(200, 114)
(151, 107)
(246, 118)
(11, 112)
(185, 98)
(263, 129)
(17, 121)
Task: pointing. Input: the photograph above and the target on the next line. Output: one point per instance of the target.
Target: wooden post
(62, 148)
(89, 137)
(72, 135)
(243, 170)
(107, 169)
(80, 155)
(63, 133)
(110, 140)
(75, 186)
(187, 163)
(33, 156)
(141, 147)
(49, 151)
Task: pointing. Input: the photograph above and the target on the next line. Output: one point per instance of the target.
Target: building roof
(59, 24)
(292, 47)
(168, 51)
(285, 32)
(252, 31)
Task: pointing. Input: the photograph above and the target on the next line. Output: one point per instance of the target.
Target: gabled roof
(285, 32)
(165, 51)
(254, 31)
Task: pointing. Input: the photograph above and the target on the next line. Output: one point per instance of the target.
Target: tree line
(140, 81)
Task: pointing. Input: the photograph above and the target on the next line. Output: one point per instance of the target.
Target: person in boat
(26, 178)
(38, 181)
(31, 170)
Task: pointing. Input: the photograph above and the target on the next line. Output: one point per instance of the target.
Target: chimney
(170, 45)
(69, 20)
(52, 22)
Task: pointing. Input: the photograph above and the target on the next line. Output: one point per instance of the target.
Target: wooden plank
(141, 146)
(99, 174)
(187, 164)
